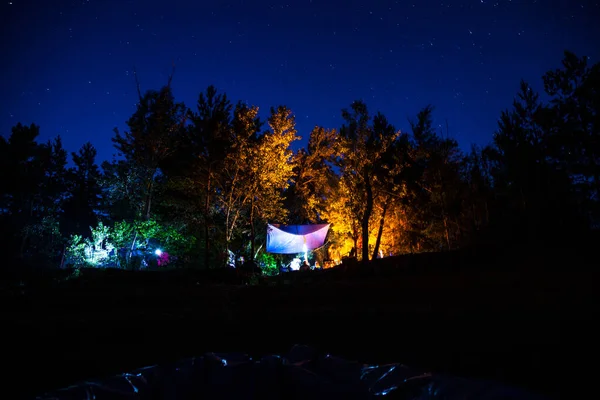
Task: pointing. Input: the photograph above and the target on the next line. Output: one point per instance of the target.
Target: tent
(293, 239)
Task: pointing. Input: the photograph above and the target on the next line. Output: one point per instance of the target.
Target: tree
(236, 179)
(435, 191)
(33, 190)
(537, 192)
(194, 169)
(271, 170)
(123, 190)
(390, 176)
(313, 178)
(154, 128)
(83, 200)
(343, 205)
(573, 120)
(478, 197)
(362, 146)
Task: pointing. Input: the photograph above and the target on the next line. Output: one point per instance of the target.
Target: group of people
(297, 265)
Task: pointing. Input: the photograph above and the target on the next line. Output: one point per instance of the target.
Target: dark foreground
(524, 321)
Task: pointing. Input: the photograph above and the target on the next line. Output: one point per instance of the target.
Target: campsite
(227, 228)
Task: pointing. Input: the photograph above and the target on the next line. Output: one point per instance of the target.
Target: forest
(196, 186)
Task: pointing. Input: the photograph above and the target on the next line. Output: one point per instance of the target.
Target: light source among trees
(207, 181)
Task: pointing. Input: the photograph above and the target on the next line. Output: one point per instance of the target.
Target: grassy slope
(517, 320)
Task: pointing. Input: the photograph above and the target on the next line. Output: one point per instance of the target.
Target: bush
(267, 263)
(127, 245)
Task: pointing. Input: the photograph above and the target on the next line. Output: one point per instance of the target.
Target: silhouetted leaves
(83, 202)
(214, 173)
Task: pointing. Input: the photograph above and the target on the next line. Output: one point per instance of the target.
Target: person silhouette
(305, 266)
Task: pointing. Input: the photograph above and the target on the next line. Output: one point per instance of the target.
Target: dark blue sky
(68, 65)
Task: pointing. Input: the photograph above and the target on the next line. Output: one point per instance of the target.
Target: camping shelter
(293, 239)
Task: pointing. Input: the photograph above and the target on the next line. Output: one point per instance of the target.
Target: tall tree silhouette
(537, 192)
(574, 124)
(435, 187)
(155, 126)
(33, 189)
(478, 197)
(83, 202)
(199, 161)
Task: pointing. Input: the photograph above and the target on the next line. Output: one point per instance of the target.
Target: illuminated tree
(270, 170)
(236, 178)
(363, 144)
(389, 175)
(342, 207)
(313, 178)
(257, 171)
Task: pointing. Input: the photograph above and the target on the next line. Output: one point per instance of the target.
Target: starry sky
(68, 65)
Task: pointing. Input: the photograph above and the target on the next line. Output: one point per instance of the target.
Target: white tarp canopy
(293, 239)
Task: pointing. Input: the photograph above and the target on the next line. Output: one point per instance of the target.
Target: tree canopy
(207, 180)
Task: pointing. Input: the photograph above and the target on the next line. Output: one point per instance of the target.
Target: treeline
(204, 181)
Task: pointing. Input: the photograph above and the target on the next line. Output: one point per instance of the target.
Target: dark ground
(525, 321)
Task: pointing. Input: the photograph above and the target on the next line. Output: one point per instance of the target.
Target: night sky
(68, 65)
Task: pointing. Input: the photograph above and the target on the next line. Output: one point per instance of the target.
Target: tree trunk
(365, 219)
(206, 221)
(380, 230)
(148, 202)
(148, 205)
(475, 219)
(252, 233)
(130, 252)
(62, 258)
(487, 213)
(446, 231)
(231, 221)
(227, 234)
(354, 250)
(25, 237)
(444, 211)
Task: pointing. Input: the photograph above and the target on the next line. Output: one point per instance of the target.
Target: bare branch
(137, 84)
(171, 75)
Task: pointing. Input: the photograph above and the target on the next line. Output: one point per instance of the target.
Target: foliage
(83, 197)
(234, 193)
(33, 184)
(201, 183)
(436, 187)
(154, 128)
(75, 251)
(44, 239)
(364, 142)
(340, 212)
(122, 233)
(94, 251)
(110, 246)
(313, 177)
(267, 263)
